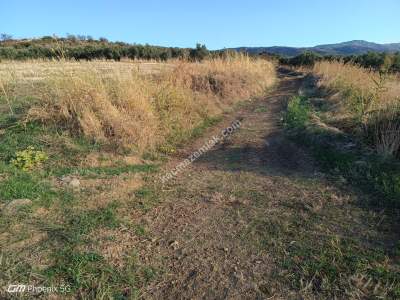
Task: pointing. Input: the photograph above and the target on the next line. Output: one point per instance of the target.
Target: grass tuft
(298, 112)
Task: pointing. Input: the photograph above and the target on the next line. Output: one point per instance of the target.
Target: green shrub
(199, 53)
(307, 59)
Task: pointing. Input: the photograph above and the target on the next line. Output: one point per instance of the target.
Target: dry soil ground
(255, 219)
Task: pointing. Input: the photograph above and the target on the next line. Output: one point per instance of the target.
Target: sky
(218, 24)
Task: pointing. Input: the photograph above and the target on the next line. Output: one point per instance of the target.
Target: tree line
(388, 62)
(82, 47)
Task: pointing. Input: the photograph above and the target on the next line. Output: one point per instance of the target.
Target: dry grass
(371, 99)
(347, 76)
(129, 105)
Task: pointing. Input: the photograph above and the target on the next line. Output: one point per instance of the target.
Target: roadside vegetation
(370, 103)
(348, 117)
(351, 117)
(80, 143)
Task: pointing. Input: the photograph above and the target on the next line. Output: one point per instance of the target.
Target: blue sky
(216, 23)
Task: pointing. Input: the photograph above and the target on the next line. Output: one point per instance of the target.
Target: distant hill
(346, 48)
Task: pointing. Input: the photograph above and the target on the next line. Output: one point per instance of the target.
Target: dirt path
(227, 226)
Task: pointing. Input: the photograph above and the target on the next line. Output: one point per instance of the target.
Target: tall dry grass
(120, 104)
(351, 77)
(370, 98)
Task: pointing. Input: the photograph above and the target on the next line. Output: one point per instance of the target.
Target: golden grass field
(342, 76)
(140, 105)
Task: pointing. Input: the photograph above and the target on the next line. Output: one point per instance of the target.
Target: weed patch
(297, 114)
(88, 273)
(20, 184)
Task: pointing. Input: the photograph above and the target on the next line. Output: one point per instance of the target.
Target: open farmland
(209, 150)
(86, 204)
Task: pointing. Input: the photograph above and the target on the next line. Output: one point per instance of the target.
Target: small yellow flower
(29, 158)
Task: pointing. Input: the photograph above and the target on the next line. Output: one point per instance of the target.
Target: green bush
(199, 53)
(307, 58)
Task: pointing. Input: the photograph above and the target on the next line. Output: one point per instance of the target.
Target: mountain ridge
(353, 47)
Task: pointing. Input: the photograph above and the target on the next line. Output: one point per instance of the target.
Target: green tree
(199, 53)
